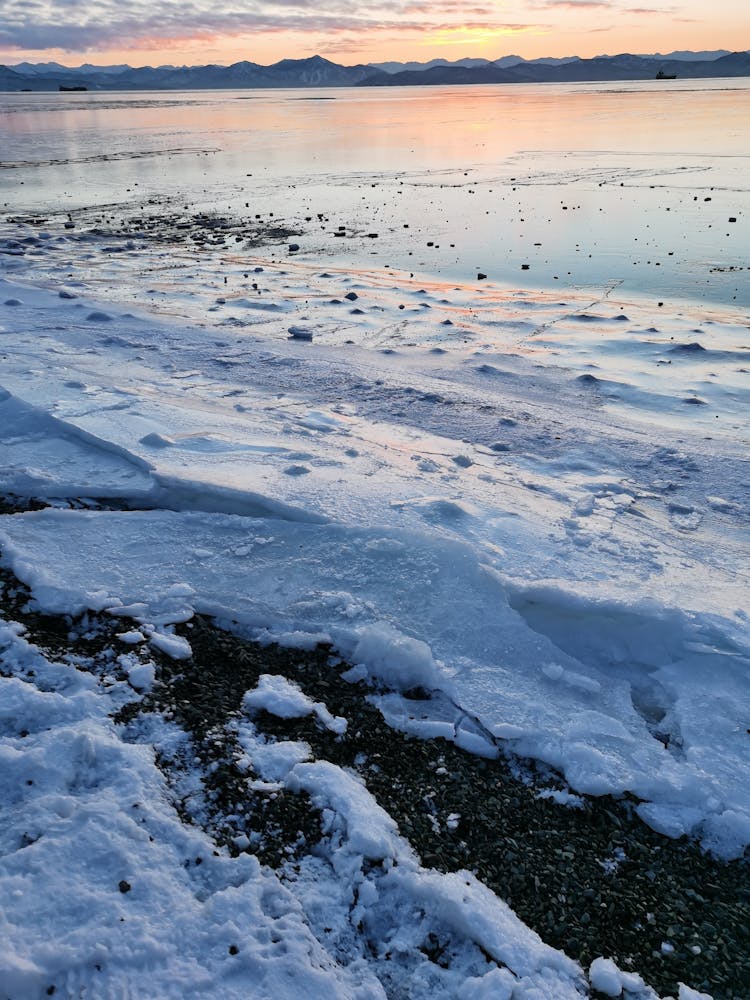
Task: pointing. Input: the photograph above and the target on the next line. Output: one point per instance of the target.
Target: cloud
(574, 4)
(609, 5)
(80, 25)
(95, 26)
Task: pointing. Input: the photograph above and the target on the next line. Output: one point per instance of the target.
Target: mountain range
(319, 72)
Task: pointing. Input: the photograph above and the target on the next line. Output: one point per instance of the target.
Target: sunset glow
(140, 32)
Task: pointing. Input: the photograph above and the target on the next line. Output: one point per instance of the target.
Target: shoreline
(233, 240)
(593, 879)
(339, 452)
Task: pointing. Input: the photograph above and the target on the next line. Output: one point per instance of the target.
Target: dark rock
(300, 333)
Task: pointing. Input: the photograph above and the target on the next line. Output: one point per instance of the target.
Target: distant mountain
(505, 62)
(548, 60)
(502, 63)
(40, 69)
(602, 68)
(319, 72)
(690, 56)
(106, 70)
(11, 80)
(399, 67)
(54, 68)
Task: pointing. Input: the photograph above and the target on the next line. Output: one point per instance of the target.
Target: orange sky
(154, 32)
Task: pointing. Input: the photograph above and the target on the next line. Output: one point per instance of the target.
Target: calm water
(538, 185)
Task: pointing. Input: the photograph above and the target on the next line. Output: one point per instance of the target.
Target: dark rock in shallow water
(352, 296)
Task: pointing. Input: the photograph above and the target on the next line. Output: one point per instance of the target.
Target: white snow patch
(279, 696)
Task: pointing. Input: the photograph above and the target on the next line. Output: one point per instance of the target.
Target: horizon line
(640, 55)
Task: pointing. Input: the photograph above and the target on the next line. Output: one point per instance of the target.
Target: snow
(510, 553)
(397, 660)
(100, 887)
(608, 979)
(281, 697)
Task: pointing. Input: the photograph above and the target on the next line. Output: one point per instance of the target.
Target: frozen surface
(534, 506)
(571, 577)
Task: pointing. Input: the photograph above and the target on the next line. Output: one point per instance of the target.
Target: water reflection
(530, 184)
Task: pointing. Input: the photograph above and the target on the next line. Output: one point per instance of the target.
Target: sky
(189, 32)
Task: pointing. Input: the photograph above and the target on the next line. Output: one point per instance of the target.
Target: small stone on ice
(299, 333)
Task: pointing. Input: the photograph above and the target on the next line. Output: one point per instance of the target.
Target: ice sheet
(544, 566)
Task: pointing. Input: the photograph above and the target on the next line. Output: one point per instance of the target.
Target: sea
(639, 186)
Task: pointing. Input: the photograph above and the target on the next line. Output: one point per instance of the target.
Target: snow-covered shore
(534, 505)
